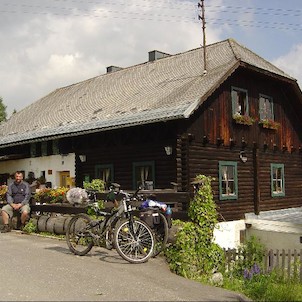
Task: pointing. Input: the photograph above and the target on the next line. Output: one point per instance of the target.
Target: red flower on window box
(269, 124)
(243, 119)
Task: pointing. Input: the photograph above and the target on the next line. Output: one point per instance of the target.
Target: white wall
(227, 235)
(276, 234)
(56, 163)
(273, 234)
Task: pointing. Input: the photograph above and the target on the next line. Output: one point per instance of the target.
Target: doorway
(65, 179)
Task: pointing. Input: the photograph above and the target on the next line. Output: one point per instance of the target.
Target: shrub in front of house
(194, 254)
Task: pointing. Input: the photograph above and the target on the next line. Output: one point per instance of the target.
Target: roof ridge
(233, 41)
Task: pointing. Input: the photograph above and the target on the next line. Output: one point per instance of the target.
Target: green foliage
(194, 253)
(266, 287)
(30, 227)
(247, 277)
(95, 185)
(3, 114)
(251, 253)
(93, 208)
(202, 210)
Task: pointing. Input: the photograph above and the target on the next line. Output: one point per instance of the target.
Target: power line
(147, 16)
(271, 9)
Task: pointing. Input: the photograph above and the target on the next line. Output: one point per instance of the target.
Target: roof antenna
(202, 18)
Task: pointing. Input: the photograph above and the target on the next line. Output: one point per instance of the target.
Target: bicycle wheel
(109, 239)
(78, 237)
(133, 240)
(161, 232)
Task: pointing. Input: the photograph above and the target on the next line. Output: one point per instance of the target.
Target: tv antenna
(203, 22)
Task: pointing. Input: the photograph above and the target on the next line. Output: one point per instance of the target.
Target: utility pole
(202, 18)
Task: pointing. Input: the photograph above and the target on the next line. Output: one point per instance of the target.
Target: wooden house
(167, 120)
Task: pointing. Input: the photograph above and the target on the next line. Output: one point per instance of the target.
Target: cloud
(54, 46)
(291, 62)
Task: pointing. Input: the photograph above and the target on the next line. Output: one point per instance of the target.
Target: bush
(194, 253)
(30, 227)
(95, 185)
(250, 260)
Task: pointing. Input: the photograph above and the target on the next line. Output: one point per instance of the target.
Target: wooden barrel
(59, 225)
(66, 223)
(50, 224)
(42, 223)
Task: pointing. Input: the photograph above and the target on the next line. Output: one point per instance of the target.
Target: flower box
(243, 119)
(269, 124)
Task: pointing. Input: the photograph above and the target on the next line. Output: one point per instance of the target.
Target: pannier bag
(149, 216)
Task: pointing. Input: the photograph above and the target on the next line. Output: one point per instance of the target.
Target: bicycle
(131, 237)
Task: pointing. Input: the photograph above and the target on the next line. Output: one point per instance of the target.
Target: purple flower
(256, 269)
(247, 274)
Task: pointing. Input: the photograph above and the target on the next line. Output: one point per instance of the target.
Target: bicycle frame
(132, 238)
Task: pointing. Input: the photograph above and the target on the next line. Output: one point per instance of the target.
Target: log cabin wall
(214, 118)
(121, 148)
(218, 138)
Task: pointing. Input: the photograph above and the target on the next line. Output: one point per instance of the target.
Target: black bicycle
(131, 237)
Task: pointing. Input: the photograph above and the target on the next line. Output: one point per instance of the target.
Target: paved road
(38, 269)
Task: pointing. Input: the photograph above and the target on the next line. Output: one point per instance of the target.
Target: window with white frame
(277, 180)
(228, 183)
(240, 104)
(266, 107)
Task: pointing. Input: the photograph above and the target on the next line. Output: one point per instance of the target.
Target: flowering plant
(48, 195)
(243, 119)
(42, 195)
(3, 190)
(249, 273)
(269, 124)
(58, 195)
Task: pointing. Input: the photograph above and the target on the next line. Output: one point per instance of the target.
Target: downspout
(256, 180)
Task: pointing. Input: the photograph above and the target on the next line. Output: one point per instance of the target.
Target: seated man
(18, 196)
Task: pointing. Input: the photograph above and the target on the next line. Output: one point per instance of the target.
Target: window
(33, 150)
(143, 175)
(105, 173)
(266, 108)
(44, 149)
(228, 186)
(240, 101)
(277, 180)
(55, 147)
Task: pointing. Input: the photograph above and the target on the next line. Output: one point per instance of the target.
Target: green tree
(3, 114)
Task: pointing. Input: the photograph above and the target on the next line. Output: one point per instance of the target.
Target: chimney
(113, 68)
(155, 55)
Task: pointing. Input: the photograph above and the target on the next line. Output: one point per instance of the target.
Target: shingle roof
(169, 88)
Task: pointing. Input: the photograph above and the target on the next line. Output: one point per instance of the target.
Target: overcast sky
(54, 43)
